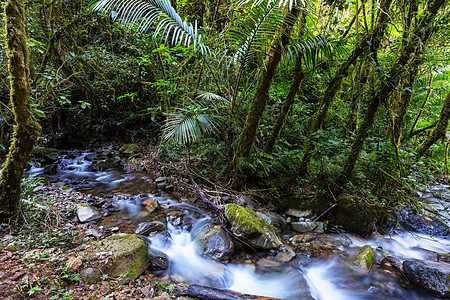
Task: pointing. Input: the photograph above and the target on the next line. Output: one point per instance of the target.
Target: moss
(247, 223)
(127, 256)
(365, 259)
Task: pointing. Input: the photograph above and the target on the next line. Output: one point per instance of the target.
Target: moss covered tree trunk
(287, 104)
(372, 42)
(258, 104)
(26, 130)
(418, 38)
(439, 131)
(290, 99)
(357, 93)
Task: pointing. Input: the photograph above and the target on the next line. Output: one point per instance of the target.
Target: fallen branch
(204, 198)
(209, 293)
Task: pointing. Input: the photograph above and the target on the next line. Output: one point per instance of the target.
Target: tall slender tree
(26, 129)
(439, 131)
(418, 37)
(258, 104)
(372, 42)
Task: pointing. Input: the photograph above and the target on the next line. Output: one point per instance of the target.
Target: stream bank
(302, 253)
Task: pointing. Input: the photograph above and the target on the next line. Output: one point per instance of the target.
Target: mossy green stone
(256, 231)
(365, 259)
(126, 256)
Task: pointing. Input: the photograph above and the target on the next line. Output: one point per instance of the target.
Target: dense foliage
(354, 88)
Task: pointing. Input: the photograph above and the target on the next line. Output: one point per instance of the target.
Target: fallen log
(209, 293)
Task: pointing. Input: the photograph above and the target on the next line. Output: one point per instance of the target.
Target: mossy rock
(48, 154)
(254, 229)
(364, 259)
(122, 256)
(355, 214)
(130, 150)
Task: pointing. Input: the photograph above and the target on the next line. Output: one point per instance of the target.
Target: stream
(304, 277)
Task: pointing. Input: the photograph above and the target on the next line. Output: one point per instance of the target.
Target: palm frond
(255, 30)
(186, 125)
(311, 49)
(141, 15)
(281, 3)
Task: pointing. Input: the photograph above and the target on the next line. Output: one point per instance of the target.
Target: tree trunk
(439, 131)
(290, 99)
(419, 36)
(357, 92)
(396, 123)
(26, 130)
(373, 42)
(259, 101)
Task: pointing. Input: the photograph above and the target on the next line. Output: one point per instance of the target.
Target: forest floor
(34, 257)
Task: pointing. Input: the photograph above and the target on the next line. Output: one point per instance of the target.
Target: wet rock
(298, 213)
(214, 242)
(273, 219)
(431, 276)
(151, 205)
(108, 163)
(247, 224)
(303, 227)
(87, 213)
(245, 200)
(267, 264)
(364, 259)
(337, 241)
(180, 219)
(119, 256)
(128, 150)
(443, 257)
(425, 225)
(355, 214)
(159, 261)
(148, 227)
(286, 254)
(51, 169)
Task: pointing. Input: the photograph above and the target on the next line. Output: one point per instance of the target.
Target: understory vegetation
(282, 98)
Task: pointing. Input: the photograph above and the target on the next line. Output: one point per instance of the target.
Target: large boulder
(354, 214)
(251, 227)
(122, 256)
(214, 242)
(128, 150)
(431, 276)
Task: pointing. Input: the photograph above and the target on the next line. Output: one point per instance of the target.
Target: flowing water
(303, 278)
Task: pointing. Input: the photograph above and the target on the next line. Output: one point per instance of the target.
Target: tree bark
(209, 293)
(287, 104)
(357, 92)
(258, 104)
(439, 131)
(419, 37)
(26, 130)
(372, 42)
